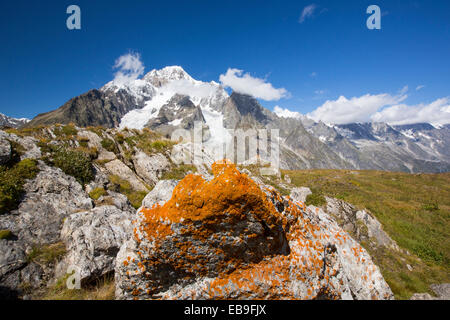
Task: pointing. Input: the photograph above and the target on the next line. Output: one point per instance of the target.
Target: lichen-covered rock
(229, 239)
(150, 168)
(93, 239)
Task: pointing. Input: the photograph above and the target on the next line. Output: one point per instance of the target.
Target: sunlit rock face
(230, 238)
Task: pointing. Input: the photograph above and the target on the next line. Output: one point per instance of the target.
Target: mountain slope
(94, 108)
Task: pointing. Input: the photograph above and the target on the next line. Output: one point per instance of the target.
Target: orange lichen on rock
(230, 192)
(229, 238)
(229, 216)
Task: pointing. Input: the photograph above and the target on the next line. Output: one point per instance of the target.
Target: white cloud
(404, 90)
(189, 88)
(437, 113)
(307, 12)
(356, 109)
(313, 75)
(285, 113)
(420, 87)
(320, 92)
(246, 84)
(130, 67)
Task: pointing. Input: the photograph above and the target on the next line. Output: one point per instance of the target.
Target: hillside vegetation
(414, 210)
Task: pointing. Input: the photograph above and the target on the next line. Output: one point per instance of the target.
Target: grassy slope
(414, 210)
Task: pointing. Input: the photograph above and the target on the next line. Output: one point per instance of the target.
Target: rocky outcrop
(359, 223)
(93, 239)
(28, 144)
(160, 194)
(230, 239)
(49, 198)
(12, 257)
(5, 151)
(442, 292)
(150, 168)
(118, 168)
(15, 270)
(94, 141)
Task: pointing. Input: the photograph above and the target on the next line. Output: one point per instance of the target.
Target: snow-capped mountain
(169, 99)
(164, 85)
(410, 148)
(6, 121)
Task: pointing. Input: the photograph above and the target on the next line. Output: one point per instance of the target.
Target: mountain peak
(171, 73)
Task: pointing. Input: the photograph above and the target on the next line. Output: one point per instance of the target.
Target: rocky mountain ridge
(304, 143)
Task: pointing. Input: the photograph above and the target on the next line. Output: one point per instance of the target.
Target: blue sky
(330, 54)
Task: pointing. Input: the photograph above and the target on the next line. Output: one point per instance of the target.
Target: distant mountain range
(6, 121)
(168, 99)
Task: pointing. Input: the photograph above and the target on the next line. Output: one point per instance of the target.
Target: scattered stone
(422, 296)
(287, 179)
(300, 194)
(441, 290)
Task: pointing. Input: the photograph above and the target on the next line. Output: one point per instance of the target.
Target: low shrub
(65, 131)
(5, 234)
(97, 193)
(12, 180)
(178, 172)
(74, 163)
(109, 145)
(315, 199)
(120, 138)
(47, 254)
(431, 206)
(84, 142)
